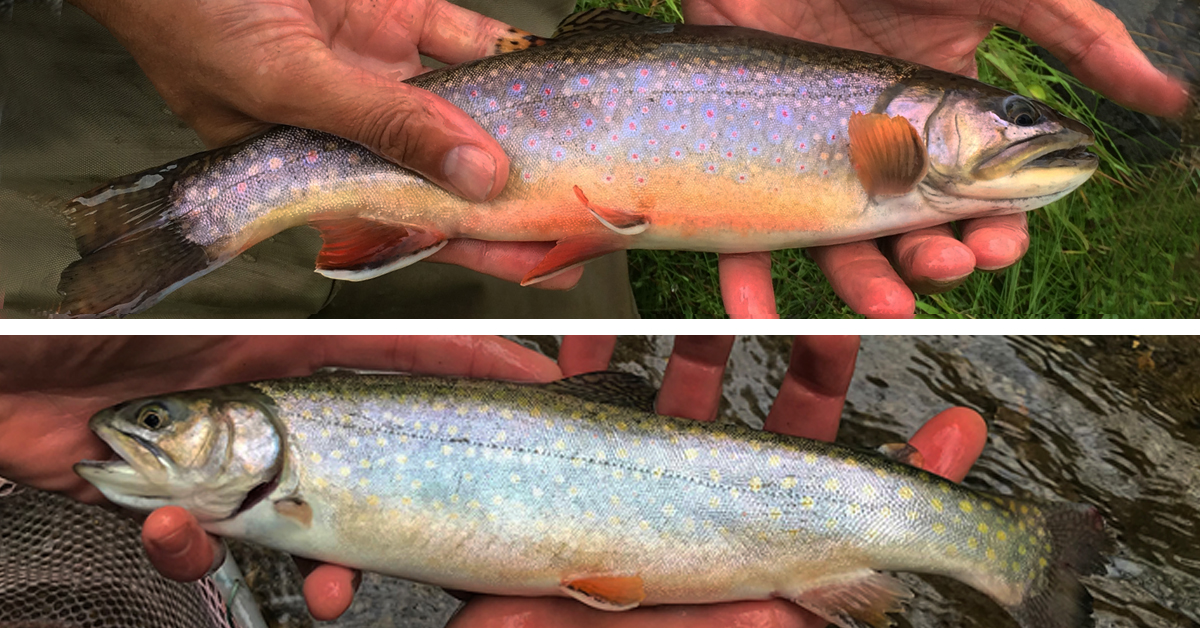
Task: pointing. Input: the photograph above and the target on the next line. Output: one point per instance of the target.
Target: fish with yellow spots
(647, 136)
(576, 488)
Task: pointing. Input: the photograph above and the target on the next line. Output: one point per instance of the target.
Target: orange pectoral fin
(570, 252)
(359, 248)
(609, 592)
(887, 152)
(619, 220)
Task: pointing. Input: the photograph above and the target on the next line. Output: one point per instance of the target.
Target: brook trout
(576, 488)
(654, 136)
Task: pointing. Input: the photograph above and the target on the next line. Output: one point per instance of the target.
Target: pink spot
(641, 179)
(666, 127)
(546, 91)
(833, 137)
(492, 104)
(824, 172)
(655, 160)
(517, 87)
(543, 114)
(779, 160)
(503, 130)
(613, 90)
(712, 168)
(641, 89)
(608, 178)
(733, 135)
(632, 126)
(589, 123)
(644, 72)
(741, 177)
(575, 104)
(803, 145)
(532, 143)
(683, 127)
(528, 176)
(608, 158)
(550, 66)
(678, 153)
(754, 149)
(241, 187)
(558, 154)
(652, 142)
(474, 93)
(634, 156)
(783, 113)
(741, 71)
(311, 157)
(613, 137)
(570, 133)
(645, 109)
(710, 113)
(802, 166)
(583, 80)
(729, 153)
(672, 64)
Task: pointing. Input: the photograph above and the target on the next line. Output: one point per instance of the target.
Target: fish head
(992, 151)
(212, 451)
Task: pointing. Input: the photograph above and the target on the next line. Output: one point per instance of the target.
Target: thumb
(412, 127)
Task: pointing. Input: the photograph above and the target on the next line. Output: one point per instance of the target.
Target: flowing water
(1111, 421)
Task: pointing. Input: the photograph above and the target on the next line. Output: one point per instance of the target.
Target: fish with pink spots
(650, 136)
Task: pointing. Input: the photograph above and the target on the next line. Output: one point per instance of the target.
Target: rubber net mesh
(64, 564)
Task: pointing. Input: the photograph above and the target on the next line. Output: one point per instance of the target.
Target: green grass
(1126, 244)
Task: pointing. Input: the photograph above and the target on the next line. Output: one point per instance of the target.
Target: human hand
(943, 34)
(233, 68)
(51, 386)
(809, 404)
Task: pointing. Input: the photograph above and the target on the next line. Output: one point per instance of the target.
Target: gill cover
(212, 452)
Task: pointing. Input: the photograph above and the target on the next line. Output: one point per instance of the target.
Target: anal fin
(606, 592)
(570, 252)
(856, 600)
(360, 248)
(621, 221)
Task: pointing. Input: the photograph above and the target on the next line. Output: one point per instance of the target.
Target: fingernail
(175, 543)
(471, 170)
(951, 282)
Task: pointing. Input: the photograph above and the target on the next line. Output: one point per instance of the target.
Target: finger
(1096, 47)
(452, 34)
(585, 354)
(508, 612)
(931, 260)
(997, 241)
(951, 442)
(746, 287)
(810, 400)
(865, 280)
(691, 387)
(329, 590)
(178, 547)
(409, 126)
(510, 261)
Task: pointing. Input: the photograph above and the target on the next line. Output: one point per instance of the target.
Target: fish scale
(531, 489)
(659, 136)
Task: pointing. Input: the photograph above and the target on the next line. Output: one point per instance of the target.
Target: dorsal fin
(611, 387)
(597, 21)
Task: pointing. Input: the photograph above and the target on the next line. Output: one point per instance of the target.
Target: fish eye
(153, 416)
(1020, 111)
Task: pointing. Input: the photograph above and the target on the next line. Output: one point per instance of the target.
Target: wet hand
(233, 68)
(877, 278)
(809, 404)
(51, 386)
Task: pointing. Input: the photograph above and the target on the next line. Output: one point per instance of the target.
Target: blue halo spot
(678, 153)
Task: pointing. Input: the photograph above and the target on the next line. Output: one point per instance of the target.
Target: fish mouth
(136, 459)
(1066, 149)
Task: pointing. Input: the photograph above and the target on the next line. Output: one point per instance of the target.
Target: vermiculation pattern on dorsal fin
(611, 387)
(599, 20)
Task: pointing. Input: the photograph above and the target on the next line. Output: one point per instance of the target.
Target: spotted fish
(654, 136)
(576, 488)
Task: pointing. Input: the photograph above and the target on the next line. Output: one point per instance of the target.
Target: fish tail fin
(1077, 540)
(132, 251)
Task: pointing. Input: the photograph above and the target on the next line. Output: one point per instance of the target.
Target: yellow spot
(851, 462)
(1047, 547)
(614, 521)
(946, 489)
(1042, 562)
(407, 501)
(614, 499)
(381, 441)
(982, 527)
(831, 484)
(618, 473)
(454, 498)
(473, 504)
(315, 457)
(939, 528)
(572, 491)
(853, 509)
(714, 453)
(497, 500)
(1021, 550)
(500, 436)
(429, 464)
(810, 458)
(506, 414)
(622, 426)
(354, 442)
(806, 502)
(773, 461)
(560, 445)
(301, 435)
(1024, 509)
(416, 484)
(733, 492)
(622, 453)
(372, 500)
(788, 482)
(452, 430)
(690, 454)
(868, 490)
(514, 478)
(756, 484)
(658, 473)
(991, 554)
(906, 492)
(468, 476)
(600, 455)
(986, 506)
(972, 542)
(775, 513)
(403, 438)
(668, 510)
(321, 482)
(714, 475)
(344, 471)
(1001, 536)
(336, 454)
(577, 462)
(885, 511)
(937, 504)
(912, 515)
(643, 524)
(714, 502)
(830, 523)
(965, 506)
(535, 412)
(462, 410)
(881, 473)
